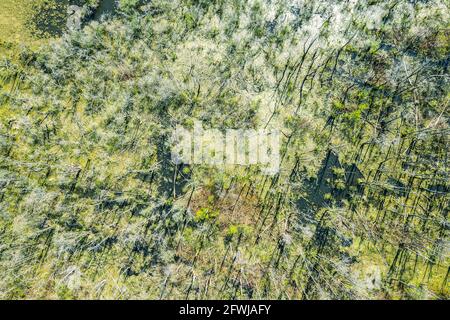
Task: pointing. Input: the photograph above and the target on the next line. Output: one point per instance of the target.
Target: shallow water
(52, 20)
(105, 7)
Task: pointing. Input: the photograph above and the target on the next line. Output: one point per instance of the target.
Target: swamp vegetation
(91, 206)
